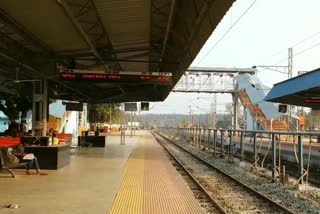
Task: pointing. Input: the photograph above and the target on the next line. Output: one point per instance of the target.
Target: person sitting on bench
(18, 151)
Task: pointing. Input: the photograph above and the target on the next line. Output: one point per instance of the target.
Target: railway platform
(134, 178)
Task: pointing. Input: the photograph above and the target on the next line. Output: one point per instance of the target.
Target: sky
(261, 37)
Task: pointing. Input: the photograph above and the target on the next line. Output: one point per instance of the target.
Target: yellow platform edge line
(131, 192)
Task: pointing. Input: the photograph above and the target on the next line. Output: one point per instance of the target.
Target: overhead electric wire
(303, 51)
(294, 45)
(221, 38)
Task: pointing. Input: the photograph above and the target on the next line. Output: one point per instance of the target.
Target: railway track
(291, 169)
(209, 204)
(232, 195)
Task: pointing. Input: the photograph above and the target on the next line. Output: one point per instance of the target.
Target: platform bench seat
(5, 165)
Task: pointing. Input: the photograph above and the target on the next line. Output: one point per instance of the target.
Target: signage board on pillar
(37, 97)
(282, 108)
(74, 106)
(130, 107)
(38, 125)
(144, 106)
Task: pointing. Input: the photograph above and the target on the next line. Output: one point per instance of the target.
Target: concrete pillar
(221, 144)
(40, 107)
(274, 156)
(241, 146)
(235, 111)
(215, 142)
(255, 148)
(300, 157)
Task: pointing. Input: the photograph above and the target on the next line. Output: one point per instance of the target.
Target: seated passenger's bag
(12, 158)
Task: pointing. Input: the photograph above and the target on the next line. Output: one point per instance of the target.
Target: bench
(5, 165)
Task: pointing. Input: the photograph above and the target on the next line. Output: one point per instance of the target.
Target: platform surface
(152, 185)
(87, 186)
(133, 178)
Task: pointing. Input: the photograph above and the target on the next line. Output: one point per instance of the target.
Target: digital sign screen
(144, 106)
(74, 106)
(312, 101)
(282, 108)
(116, 78)
(130, 107)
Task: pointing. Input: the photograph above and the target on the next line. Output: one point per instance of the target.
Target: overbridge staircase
(60, 115)
(251, 93)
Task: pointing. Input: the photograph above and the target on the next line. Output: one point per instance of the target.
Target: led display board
(312, 101)
(282, 108)
(130, 106)
(120, 77)
(74, 106)
(144, 106)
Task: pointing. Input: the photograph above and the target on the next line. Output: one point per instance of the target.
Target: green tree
(12, 105)
(104, 112)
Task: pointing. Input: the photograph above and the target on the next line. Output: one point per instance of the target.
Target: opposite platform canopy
(303, 90)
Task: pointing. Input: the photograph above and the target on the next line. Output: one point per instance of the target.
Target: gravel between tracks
(286, 196)
(232, 197)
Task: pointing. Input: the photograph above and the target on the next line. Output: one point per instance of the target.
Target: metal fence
(257, 146)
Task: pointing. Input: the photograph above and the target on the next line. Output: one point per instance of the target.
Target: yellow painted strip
(165, 190)
(152, 185)
(130, 196)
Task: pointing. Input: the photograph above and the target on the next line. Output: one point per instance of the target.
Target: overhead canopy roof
(37, 36)
(298, 90)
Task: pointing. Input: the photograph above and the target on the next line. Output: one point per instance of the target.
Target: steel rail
(288, 171)
(259, 132)
(212, 200)
(279, 206)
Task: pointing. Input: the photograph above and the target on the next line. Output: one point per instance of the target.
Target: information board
(282, 108)
(74, 106)
(144, 106)
(121, 77)
(130, 107)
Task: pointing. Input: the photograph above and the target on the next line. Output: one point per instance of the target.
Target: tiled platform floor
(87, 186)
(152, 185)
(132, 178)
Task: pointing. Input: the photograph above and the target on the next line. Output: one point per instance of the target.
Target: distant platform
(302, 90)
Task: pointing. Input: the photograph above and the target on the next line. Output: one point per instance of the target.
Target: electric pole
(190, 116)
(110, 117)
(290, 65)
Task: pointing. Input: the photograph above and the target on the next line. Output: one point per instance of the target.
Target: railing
(228, 142)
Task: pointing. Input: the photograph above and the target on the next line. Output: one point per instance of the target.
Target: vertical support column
(40, 107)
(131, 126)
(274, 156)
(203, 139)
(300, 153)
(44, 105)
(254, 148)
(34, 109)
(221, 144)
(193, 138)
(215, 142)
(235, 110)
(241, 146)
(199, 138)
(230, 144)
(187, 134)
(208, 140)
